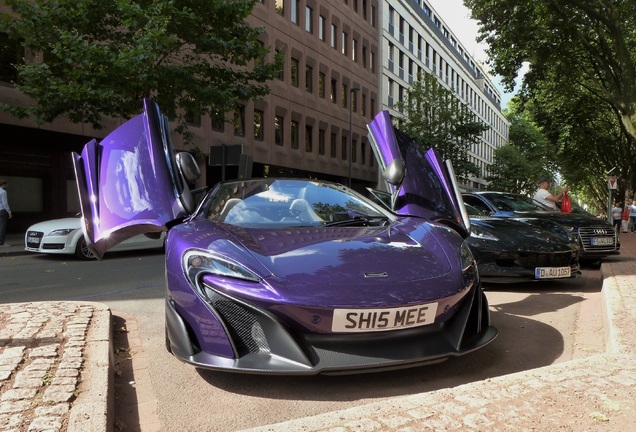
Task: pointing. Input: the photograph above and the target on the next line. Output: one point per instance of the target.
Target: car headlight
(195, 262)
(62, 232)
(469, 266)
(482, 234)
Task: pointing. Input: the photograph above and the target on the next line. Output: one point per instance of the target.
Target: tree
(96, 58)
(527, 156)
(435, 117)
(581, 56)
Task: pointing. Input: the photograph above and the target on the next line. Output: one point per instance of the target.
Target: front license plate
(602, 241)
(552, 272)
(374, 320)
(33, 240)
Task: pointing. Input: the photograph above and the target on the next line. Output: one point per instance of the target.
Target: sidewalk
(592, 394)
(55, 363)
(56, 375)
(16, 242)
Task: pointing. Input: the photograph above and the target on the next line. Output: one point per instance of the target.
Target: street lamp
(351, 93)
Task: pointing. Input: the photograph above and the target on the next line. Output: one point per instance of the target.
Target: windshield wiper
(359, 221)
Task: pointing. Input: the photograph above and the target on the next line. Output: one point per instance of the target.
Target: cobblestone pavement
(45, 350)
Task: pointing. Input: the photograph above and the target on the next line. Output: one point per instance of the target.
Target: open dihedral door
(129, 183)
(427, 187)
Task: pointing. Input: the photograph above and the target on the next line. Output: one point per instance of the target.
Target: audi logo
(601, 231)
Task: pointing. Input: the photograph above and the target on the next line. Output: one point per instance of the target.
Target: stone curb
(94, 407)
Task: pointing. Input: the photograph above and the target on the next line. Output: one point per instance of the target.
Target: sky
(457, 18)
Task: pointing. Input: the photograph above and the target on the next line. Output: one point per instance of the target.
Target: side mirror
(188, 167)
(395, 172)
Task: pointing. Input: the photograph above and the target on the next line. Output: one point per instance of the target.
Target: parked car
(65, 236)
(516, 250)
(288, 276)
(596, 237)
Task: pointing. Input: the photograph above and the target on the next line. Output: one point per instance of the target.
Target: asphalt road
(539, 324)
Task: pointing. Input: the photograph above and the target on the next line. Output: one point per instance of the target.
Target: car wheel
(82, 251)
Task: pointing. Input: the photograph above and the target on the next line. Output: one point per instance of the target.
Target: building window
(373, 16)
(354, 100)
(321, 142)
(332, 151)
(294, 72)
(334, 90)
(294, 134)
(239, 121)
(294, 11)
(279, 6)
(343, 95)
(334, 32)
(11, 55)
(281, 74)
(354, 144)
(354, 50)
(259, 116)
(321, 85)
(344, 43)
(309, 144)
(364, 57)
(191, 118)
(343, 148)
(309, 20)
(363, 153)
(218, 121)
(363, 106)
(309, 79)
(279, 123)
(321, 28)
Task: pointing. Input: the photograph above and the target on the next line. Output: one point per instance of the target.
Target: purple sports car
(293, 276)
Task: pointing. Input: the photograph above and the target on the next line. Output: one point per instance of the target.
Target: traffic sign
(225, 154)
(611, 182)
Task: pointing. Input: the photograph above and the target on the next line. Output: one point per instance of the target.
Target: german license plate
(552, 272)
(602, 241)
(375, 320)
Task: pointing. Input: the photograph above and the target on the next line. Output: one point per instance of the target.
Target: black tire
(81, 250)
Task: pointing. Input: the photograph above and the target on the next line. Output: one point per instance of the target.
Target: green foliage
(100, 58)
(435, 117)
(580, 89)
(527, 156)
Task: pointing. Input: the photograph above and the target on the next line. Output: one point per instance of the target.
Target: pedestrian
(544, 196)
(625, 220)
(632, 216)
(5, 212)
(617, 214)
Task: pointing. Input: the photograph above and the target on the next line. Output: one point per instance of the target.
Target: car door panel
(128, 183)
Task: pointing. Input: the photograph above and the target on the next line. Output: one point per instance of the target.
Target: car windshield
(514, 202)
(289, 202)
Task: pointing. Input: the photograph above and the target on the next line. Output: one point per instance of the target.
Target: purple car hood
(346, 255)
